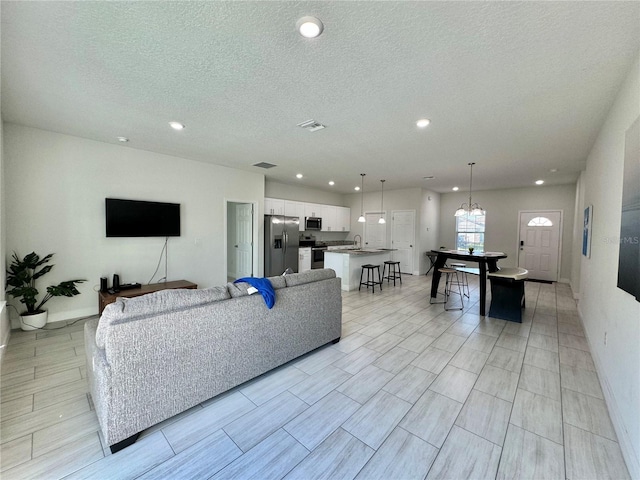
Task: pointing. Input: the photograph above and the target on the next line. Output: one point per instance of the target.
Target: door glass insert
(540, 222)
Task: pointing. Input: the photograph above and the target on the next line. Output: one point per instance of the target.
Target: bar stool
(465, 279)
(370, 282)
(448, 287)
(388, 265)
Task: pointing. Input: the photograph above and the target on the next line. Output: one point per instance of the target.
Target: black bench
(507, 293)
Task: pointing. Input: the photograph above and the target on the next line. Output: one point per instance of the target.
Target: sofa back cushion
(240, 289)
(129, 309)
(294, 279)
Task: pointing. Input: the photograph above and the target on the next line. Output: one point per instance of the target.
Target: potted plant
(21, 283)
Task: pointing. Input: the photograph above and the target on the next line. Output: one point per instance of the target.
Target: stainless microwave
(313, 223)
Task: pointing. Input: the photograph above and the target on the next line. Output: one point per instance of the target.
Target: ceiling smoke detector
(311, 125)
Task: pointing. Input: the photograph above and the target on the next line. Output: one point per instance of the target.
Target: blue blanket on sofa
(264, 287)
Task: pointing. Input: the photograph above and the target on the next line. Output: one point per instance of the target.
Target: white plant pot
(33, 322)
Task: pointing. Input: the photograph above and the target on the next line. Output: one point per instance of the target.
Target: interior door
(540, 244)
(403, 234)
(244, 240)
(375, 234)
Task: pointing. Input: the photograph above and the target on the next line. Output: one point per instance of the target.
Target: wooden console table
(105, 298)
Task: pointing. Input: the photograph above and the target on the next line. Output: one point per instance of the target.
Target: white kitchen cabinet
(273, 206)
(334, 218)
(343, 223)
(295, 209)
(313, 210)
(329, 218)
(304, 259)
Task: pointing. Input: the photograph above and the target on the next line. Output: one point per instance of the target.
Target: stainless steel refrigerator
(280, 244)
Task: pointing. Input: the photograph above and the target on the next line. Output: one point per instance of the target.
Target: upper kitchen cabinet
(344, 219)
(273, 206)
(313, 210)
(334, 218)
(295, 209)
(329, 214)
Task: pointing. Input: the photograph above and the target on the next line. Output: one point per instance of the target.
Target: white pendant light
(472, 209)
(361, 219)
(382, 220)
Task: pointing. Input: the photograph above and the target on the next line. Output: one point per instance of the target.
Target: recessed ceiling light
(455, 189)
(309, 27)
(332, 183)
(357, 189)
(539, 182)
(423, 122)
(123, 139)
(176, 125)
(553, 170)
(298, 175)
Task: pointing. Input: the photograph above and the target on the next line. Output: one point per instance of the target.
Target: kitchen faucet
(355, 242)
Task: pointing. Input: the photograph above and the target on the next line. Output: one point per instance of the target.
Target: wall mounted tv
(134, 218)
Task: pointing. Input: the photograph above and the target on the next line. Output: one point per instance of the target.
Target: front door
(403, 237)
(539, 248)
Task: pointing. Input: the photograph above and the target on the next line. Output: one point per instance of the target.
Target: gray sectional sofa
(154, 356)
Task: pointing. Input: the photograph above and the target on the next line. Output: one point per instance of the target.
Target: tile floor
(411, 391)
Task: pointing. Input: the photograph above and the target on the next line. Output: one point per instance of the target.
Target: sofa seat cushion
(129, 309)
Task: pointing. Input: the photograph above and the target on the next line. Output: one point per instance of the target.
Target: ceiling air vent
(264, 165)
(311, 125)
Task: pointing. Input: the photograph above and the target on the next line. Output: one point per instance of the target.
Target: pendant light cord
(470, 182)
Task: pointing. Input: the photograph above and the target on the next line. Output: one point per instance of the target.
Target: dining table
(487, 262)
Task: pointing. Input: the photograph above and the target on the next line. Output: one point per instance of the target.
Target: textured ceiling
(517, 87)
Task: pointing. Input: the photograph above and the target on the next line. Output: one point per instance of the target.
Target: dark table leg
(483, 287)
(435, 279)
(493, 267)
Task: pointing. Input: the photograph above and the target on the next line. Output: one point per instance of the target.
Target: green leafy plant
(21, 281)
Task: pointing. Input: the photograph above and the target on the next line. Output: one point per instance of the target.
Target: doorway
(239, 240)
(539, 243)
(403, 234)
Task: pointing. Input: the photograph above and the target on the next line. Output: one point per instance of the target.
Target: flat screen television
(134, 218)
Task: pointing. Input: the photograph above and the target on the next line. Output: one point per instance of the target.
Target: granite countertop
(358, 252)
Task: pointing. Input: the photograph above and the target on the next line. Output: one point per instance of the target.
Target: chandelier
(470, 208)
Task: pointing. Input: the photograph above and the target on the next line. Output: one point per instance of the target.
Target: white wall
(417, 199)
(429, 226)
(604, 307)
(5, 327)
(577, 237)
(300, 193)
(502, 208)
(55, 190)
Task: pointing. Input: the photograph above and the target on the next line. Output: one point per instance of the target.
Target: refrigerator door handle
(285, 237)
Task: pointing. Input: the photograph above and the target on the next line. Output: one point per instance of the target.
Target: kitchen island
(348, 264)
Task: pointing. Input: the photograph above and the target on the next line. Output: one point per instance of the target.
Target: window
(540, 222)
(470, 232)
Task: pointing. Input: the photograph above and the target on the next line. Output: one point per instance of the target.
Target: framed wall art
(586, 231)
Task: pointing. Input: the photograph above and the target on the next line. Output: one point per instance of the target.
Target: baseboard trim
(626, 446)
